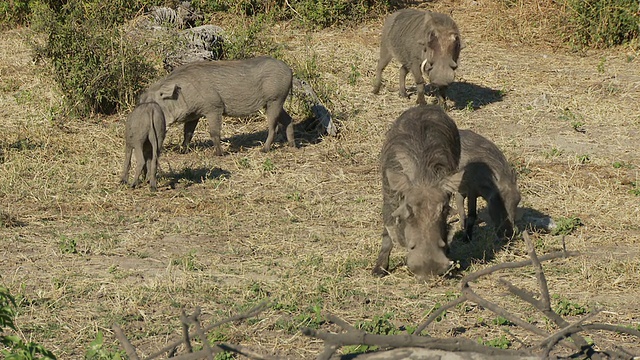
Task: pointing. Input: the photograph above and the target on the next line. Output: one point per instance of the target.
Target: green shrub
(602, 22)
(313, 13)
(98, 68)
(14, 13)
(12, 347)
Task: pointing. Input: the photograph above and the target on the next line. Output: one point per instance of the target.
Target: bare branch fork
(578, 344)
(208, 351)
(416, 346)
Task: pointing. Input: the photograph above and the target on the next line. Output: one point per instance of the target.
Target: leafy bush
(602, 22)
(96, 66)
(12, 347)
(314, 13)
(13, 13)
(577, 23)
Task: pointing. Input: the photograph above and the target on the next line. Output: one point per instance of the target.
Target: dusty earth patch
(302, 227)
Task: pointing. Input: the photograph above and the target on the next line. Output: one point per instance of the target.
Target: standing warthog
(487, 173)
(235, 88)
(419, 164)
(422, 41)
(144, 135)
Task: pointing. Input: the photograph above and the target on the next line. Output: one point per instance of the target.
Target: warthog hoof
(379, 271)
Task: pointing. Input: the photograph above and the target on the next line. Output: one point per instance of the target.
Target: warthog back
(235, 88)
(419, 163)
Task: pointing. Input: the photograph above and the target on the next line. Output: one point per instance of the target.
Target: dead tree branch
(128, 348)
(397, 341)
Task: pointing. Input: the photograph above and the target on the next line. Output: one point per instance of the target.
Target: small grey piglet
(144, 134)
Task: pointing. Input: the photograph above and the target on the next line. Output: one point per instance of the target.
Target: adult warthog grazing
(235, 88)
(144, 134)
(422, 41)
(419, 164)
(487, 173)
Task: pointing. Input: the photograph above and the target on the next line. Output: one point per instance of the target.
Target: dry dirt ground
(302, 227)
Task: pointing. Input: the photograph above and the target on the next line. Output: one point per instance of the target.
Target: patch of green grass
(502, 342)
(13, 347)
(584, 158)
(380, 325)
(244, 162)
(268, 166)
(566, 225)
(501, 321)
(311, 318)
(470, 106)
(68, 245)
(354, 75)
(554, 152)
(295, 196)
(600, 66)
(635, 189)
(98, 351)
(188, 262)
(622, 164)
(566, 307)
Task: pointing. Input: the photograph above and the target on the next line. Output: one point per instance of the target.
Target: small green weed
(566, 225)
(354, 75)
(68, 245)
(635, 189)
(435, 307)
(244, 162)
(296, 196)
(13, 347)
(600, 66)
(566, 307)
(554, 152)
(621, 164)
(470, 106)
(578, 126)
(225, 355)
(268, 166)
(501, 321)
(502, 342)
(189, 262)
(311, 318)
(583, 159)
(378, 325)
(97, 350)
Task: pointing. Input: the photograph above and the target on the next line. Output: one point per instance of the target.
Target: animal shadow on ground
(465, 95)
(486, 244)
(196, 176)
(306, 133)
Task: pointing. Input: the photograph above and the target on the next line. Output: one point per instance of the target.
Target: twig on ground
(249, 314)
(128, 348)
(437, 312)
(395, 341)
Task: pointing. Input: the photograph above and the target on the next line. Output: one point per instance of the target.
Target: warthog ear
(398, 181)
(169, 91)
(452, 182)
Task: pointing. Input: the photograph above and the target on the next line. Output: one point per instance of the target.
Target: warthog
(144, 134)
(487, 173)
(419, 164)
(235, 88)
(422, 41)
